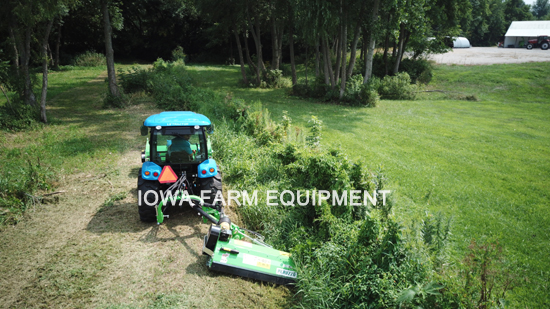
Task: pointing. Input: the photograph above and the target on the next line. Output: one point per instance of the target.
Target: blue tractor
(177, 162)
(177, 155)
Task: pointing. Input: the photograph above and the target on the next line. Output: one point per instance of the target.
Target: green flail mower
(179, 175)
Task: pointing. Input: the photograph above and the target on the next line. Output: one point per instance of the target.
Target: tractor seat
(179, 156)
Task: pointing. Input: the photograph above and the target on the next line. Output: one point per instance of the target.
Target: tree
(371, 42)
(540, 9)
(28, 20)
(109, 52)
(516, 10)
(227, 15)
(487, 23)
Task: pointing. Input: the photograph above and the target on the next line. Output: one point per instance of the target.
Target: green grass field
(485, 163)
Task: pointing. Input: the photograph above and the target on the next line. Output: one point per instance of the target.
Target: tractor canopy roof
(173, 119)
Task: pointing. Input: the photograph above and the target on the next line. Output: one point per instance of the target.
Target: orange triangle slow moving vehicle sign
(167, 175)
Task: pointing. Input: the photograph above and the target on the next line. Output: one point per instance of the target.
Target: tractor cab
(180, 140)
(177, 145)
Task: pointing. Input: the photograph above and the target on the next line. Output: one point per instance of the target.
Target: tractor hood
(170, 119)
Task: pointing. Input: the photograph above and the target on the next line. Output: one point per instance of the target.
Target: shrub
(359, 94)
(368, 97)
(16, 116)
(275, 79)
(398, 87)
(420, 70)
(89, 59)
(301, 90)
(134, 80)
(315, 126)
(178, 54)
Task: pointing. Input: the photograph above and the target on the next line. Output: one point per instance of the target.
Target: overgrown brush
(346, 256)
(16, 116)
(134, 79)
(169, 84)
(89, 59)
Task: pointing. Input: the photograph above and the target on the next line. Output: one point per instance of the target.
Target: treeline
(335, 39)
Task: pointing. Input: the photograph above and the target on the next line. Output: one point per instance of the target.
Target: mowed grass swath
(485, 163)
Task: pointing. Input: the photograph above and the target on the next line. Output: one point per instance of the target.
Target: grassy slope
(484, 163)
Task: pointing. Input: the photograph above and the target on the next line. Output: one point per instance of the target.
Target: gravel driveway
(491, 55)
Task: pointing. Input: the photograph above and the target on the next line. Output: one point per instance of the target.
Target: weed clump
(17, 192)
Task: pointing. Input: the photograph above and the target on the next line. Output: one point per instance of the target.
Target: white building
(522, 31)
(461, 42)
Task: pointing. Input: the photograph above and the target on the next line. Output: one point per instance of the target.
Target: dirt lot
(491, 55)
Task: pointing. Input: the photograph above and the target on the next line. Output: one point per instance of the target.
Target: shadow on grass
(122, 218)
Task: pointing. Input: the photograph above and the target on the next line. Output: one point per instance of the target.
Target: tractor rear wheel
(147, 213)
(212, 184)
(544, 46)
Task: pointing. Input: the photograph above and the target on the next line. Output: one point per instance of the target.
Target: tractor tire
(544, 46)
(147, 213)
(214, 185)
(529, 46)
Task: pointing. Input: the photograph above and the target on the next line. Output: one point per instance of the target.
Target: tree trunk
(280, 49)
(291, 45)
(306, 63)
(407, 37)
(274, 44)
(353, 54)
(317, 58)
(260, 67)
(57, 45)
(368, 62)
(260, 52)
(109, 52)
(363, 45)
(372, 44)
(241, 58)
(251, 64)
(400, 50)
(356, 35)
(45, 72)
(15, 51)
(328, 64)
(28, 94)
(50, 55)
(386, 47)
(338, 59)
(344, 57)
